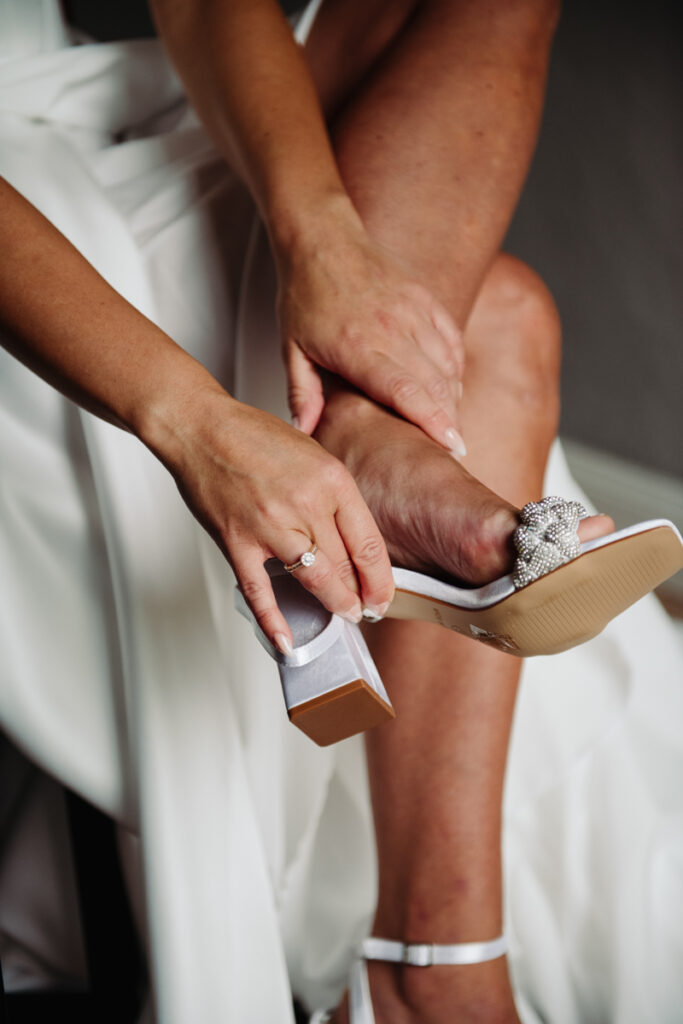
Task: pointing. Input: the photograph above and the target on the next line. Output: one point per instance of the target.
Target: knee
(515, 328)
(519, 22)
(527, 19)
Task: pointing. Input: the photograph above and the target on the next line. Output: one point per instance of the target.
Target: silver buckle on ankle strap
(419, 954)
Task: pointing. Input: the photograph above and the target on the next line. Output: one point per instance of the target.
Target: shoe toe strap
(546, 537)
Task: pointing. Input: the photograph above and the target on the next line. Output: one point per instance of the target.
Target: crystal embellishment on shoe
(546, 537)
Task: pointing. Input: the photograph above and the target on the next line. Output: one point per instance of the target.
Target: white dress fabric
(127, 675)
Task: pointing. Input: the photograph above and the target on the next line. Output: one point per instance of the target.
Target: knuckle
(440, 390)
(257, 595)
(317, 578)
(296, 394)
(458, 350)
(354, 342)
(345, 571)
(403, 389)
(335, 475)
(370, 551)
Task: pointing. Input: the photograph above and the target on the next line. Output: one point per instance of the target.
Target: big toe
(595, 526)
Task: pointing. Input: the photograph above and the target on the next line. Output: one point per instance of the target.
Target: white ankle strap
(424, 954)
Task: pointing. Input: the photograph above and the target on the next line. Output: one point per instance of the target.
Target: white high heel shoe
(422, 954)
(331, 687)
(560, 594)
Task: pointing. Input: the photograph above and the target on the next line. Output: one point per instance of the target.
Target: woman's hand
(345, 305)
(263, 490)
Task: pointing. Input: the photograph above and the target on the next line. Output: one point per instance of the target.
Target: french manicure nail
(283, 643)
(455, 442)
(373, 613)
(296, 422)
(369, 616)
(355, 614)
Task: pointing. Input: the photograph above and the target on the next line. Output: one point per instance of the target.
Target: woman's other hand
(345, 305)
(264, 490)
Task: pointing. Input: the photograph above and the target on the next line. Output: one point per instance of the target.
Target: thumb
(304, 389)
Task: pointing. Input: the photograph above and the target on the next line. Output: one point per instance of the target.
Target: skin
(259, 487)
(437, 772)
(396, 342)
(402, 206)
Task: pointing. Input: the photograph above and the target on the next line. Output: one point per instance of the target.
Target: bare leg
(437, 771)
(433, 149)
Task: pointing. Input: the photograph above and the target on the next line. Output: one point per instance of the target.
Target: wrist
(299, 229)
(184, 407)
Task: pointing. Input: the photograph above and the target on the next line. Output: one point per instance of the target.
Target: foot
(474, 994)
(435, 516)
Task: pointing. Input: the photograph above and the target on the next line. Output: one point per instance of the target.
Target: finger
(330, 541)
(368, 553)
(449, 331)
(439, 380)
(323, 581)
(382, 379)
(304, 389)
(254, 582)
(435, 349)
(443, 323)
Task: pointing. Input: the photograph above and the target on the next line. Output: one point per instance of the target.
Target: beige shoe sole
(568, 606)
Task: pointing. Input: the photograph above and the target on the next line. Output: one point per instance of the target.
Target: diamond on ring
(306, 560)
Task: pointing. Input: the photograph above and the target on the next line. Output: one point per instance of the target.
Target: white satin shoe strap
(360, 1000)
(424, 954)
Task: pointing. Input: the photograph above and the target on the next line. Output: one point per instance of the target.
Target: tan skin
(346, 222)
(437, 772)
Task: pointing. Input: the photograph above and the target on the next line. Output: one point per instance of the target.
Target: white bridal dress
(127, 675)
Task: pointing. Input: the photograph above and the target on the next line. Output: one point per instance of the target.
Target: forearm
(63, 320)
(250, 84)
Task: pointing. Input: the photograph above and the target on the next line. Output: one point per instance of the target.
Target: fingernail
(296, 422)
(283, 643)
(355, 614)
(455, 442)
(375, 612)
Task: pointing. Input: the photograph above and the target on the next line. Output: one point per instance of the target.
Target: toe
(595, 526)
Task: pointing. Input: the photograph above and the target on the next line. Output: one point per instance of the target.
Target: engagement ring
(306, 560)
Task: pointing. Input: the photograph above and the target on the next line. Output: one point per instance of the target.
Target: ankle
(470, 994)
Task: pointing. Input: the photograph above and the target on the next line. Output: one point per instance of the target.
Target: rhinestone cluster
(546, 537)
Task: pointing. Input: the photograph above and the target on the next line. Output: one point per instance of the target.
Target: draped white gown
(126, 673)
